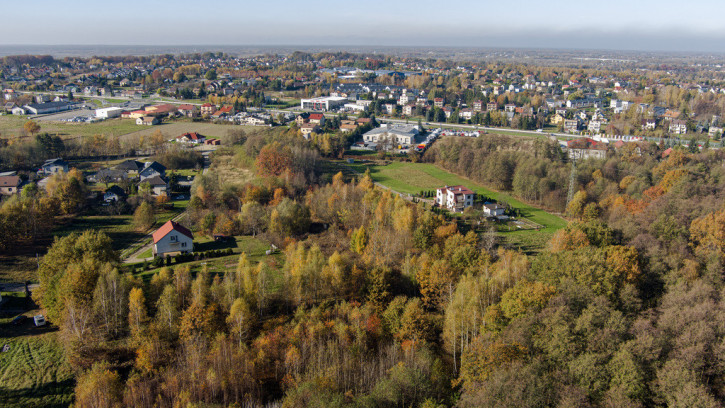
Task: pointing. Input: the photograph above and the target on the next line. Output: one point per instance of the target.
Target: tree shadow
(50, 395)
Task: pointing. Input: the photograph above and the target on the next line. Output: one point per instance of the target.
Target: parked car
(18, 320)
(39, 320)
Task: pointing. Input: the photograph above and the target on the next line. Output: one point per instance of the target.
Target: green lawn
(253, 247)
(118, 227)
(33, 373)
(411, 178)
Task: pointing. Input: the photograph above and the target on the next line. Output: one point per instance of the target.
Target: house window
(173, 238)
(183, 244)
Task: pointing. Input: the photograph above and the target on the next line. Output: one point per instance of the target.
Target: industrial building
(106, 113)
(323, 103)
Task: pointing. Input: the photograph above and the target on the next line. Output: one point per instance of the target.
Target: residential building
(148, 121)
(224, 111)
(108, 176)
(188, 110)
(478, 106)
(207, 109)
(493, 210)
(114, 193)
(594, 126)
(130, 167)
(454, 198)
(491, 106)
(158, 185)
(10, 185)
(585, 148)
(715, 131)
(53, 166)
(152, 169)
(191, 138)
(649, 124)
(308, 128)
(438, 102)
(172, 238)
(678, 127)
(582, 102)
(556, 119)
(571, 125)
(316, 118)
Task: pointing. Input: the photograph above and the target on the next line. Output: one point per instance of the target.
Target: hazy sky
(695, 25)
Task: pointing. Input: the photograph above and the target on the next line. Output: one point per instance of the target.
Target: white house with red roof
(172, 238)
(316, 118)
(191, 138)
(454, 198)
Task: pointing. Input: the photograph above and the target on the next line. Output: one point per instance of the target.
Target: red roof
(206, 105)
(457, 190)
(316, 116)
(586, 143)
(168, 227)
(186, 107)
(191, 136)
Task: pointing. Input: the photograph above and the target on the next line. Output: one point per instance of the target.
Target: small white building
(106, 113)
(172, 238)
(53, 166)
(454, 198)
(493, 210)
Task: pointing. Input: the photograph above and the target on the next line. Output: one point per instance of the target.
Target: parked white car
(39, 320)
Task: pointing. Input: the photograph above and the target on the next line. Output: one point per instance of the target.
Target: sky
(648, 25)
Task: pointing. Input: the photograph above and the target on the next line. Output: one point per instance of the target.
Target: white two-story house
(172, 238)
(454, 198)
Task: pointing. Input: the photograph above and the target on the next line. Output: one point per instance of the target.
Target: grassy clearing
(34, 373)
(253, 247)
(229, 171)
(411, 178)
(118, 227)
(12, 125)
(181, 126)
(127, 129)
(18, 268)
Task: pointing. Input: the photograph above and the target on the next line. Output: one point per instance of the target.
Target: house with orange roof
(188, 110)
(172, 239)
(191, 138)
(207, 109)
(224, 111)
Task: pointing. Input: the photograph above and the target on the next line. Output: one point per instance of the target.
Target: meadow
(412, 178)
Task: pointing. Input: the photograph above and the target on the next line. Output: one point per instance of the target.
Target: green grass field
(11, 126)
(34, 373)
(411, 178)
(253, 247)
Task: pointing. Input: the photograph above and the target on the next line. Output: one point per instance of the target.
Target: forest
(382, 302)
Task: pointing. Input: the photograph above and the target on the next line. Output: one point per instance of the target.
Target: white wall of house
(174, 241)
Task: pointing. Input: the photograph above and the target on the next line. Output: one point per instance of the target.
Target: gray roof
(130, 165)
(55, 162)
(154, 181)
(50, 105)
(402, 130)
